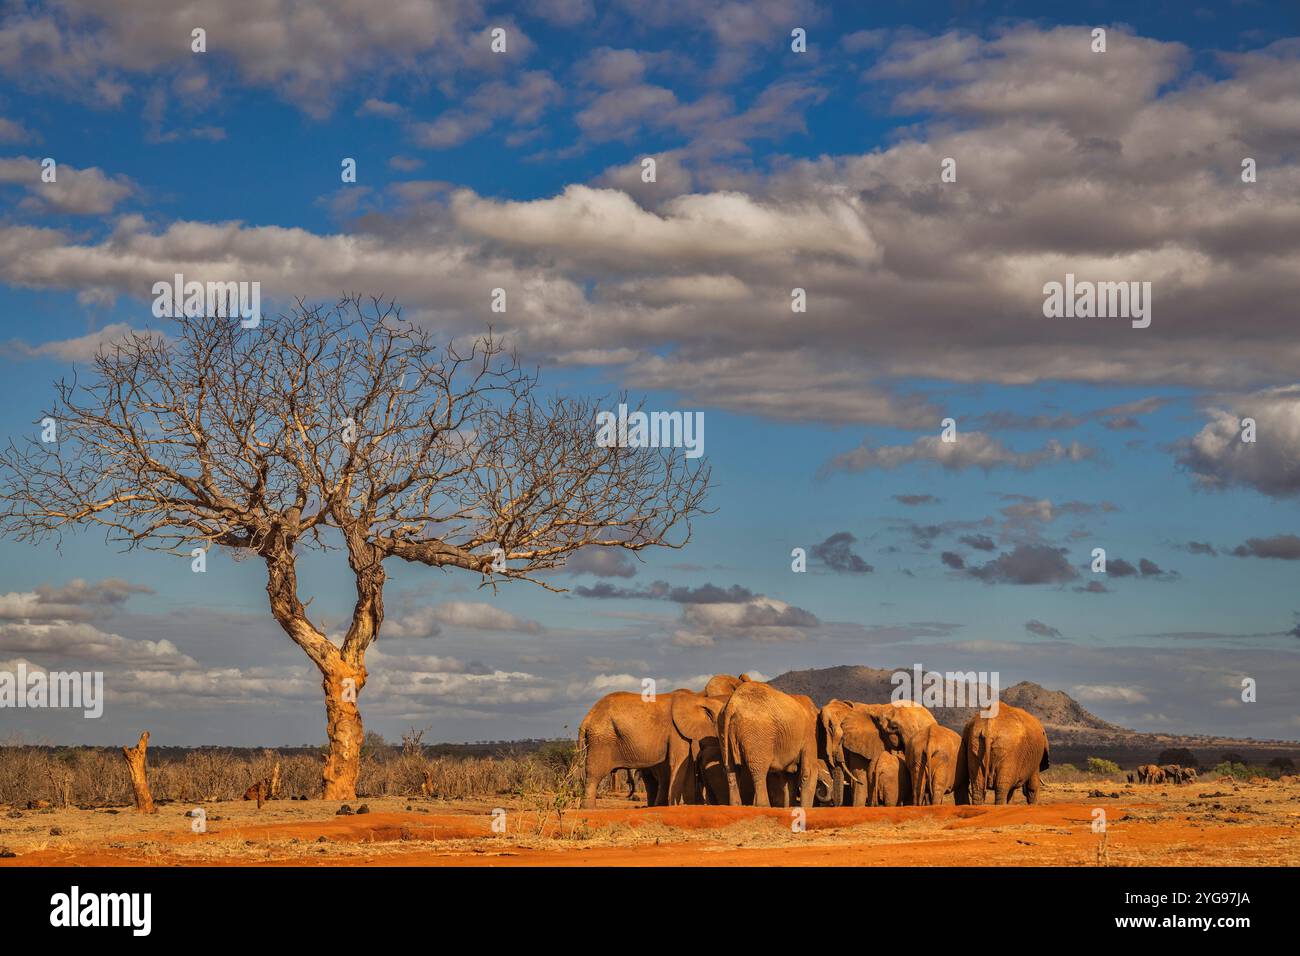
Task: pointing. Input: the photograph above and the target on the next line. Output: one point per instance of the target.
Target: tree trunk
(274, 788)
(343, 726)
(135, 757)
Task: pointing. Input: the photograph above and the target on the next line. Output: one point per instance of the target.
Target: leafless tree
(340, 428)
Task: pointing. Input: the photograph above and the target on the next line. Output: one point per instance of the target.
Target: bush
(1238, 771)
(1100, 765)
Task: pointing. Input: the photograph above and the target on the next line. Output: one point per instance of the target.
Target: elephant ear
(861, 736)
(695, 717)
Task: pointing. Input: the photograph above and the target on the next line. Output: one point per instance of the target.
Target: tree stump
(135, 757)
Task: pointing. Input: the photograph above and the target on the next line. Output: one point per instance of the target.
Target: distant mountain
(872, 685)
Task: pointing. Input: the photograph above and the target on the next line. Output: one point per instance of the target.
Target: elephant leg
(681, 773)
(1032, 787)
(651, 787)
(599, 765)
(743, 785)
(837, 787)
(776, 789)
(807, 779)
(759, 778)
(860, 791)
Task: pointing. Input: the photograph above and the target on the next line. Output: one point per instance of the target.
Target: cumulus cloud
(836, 553)
(602, 563)
(78, 600)
(473, 615)
(1280, 547)
(1218, 457)
(970, 450)
(81, 192)
(1027, 564)
(1153, 195)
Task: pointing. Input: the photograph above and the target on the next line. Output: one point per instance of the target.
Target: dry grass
(97, 777)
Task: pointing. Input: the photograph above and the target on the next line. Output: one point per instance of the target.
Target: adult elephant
(624, 731)
(769, 741)
(695, 742)
(931, 757)
(1173, 773)
(724, 685)
(888, 783)
(1003, 753)
(1188, 775)
(1155, 775)
(852, 742)
(905, 727)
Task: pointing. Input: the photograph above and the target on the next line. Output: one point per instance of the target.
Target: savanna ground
(1213, 822)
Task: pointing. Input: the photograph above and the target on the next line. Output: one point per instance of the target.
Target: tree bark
(344, 728)
(135, 758)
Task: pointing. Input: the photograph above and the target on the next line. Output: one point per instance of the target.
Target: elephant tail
(724, 740)
(924, 787)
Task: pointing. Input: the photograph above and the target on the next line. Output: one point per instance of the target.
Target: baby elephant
(888, 783)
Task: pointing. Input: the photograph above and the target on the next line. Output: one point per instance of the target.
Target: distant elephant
(1002, 753)
(1129, 776)
(1188, 775)
(1173, 773)
(624, 731)
(931, 758)
(852, 741)
(1154, 775)
(769, 741)
(695, 725)
(888, 784)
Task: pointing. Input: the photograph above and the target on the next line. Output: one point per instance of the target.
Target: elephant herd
(743, 741)
(1169, 773)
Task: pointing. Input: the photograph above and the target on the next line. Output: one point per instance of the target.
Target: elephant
(723, 685)
(1173, 773)
(1188, 775)
(1150, 773)
(905, 728)
(695, 724)
(625, 731)
(1004, 753)
(769, 741)
(852, 741)
(1129, 776)
(931, 757)
(888, 784)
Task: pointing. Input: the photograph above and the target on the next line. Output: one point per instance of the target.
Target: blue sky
(776, 170)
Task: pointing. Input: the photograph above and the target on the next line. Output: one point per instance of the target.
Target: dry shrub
(97, 776)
